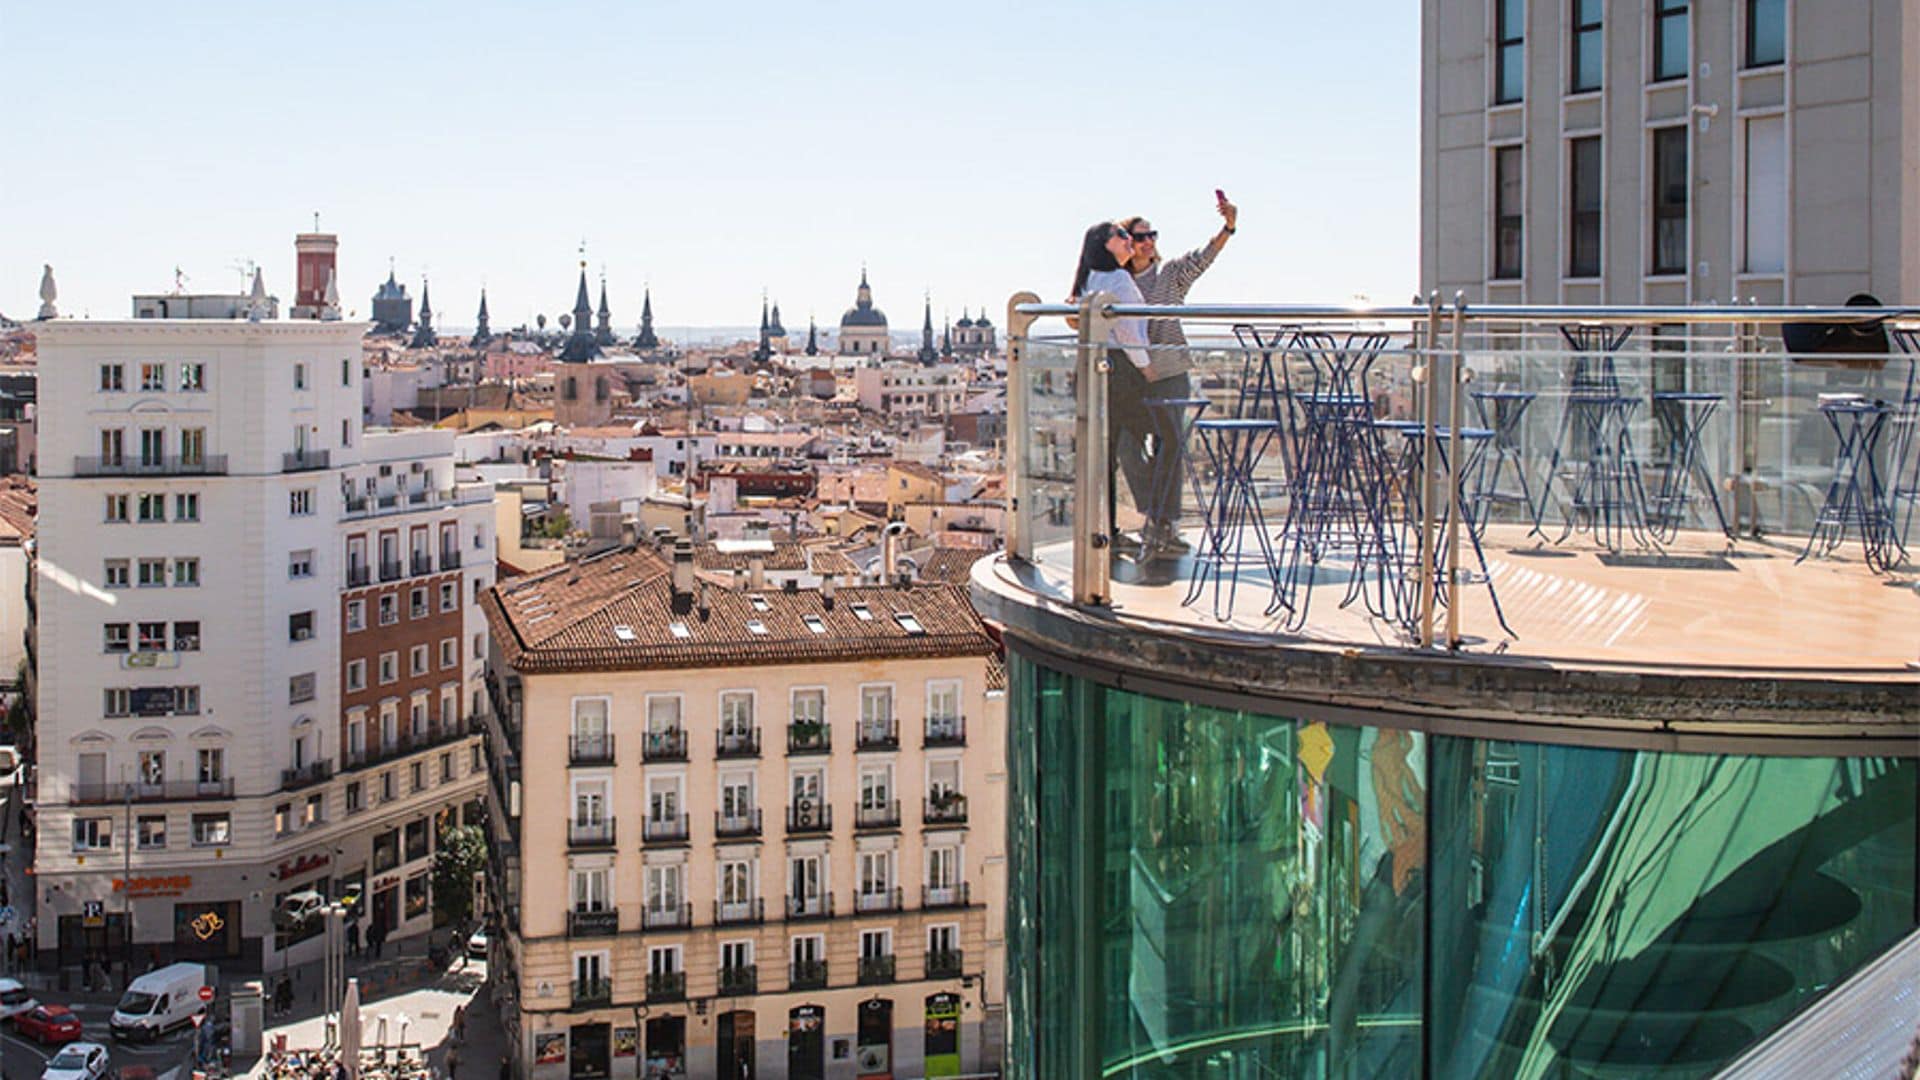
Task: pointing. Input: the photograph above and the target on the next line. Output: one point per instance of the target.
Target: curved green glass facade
(1205, 891)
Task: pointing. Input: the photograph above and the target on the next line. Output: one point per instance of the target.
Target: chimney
(826, 592)
(682, 577)
(890, 549)
(757, 573)
(705, 608)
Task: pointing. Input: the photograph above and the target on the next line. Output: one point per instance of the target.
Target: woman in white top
(1104, 255)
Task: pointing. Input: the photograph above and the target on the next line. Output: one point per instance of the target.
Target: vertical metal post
(1092, 516)
(1019, 498)
(1456, 451)
(126, 891)
(1428, 504)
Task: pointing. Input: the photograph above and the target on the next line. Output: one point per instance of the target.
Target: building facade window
(186, 573)
(153, 377)
(116, 509)
(300, 502)
(1588, 46)
(212, 830)
(1766, 32)
(92, 834)
(193, 377)
(1670, 201)
(118, 574)
(356, 675)
(1669, 39)
(300, 564)
(300, 688)
(1584, 182)
(1766, 196)
(113, 377)
(356, 615)
(152, 832)
(1509, 50)
(186, 506)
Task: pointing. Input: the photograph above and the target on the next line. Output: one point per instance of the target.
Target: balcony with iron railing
(135, 465)
(876, 969)
(593, 833)
(590, 992)
(402, 502)
(422, 563)
(391, 570)
(666, 744)
(809, 816)
(407, 743)
(587, 750)
(818, 906)
(666, 829)
(739, 981)
(807, 975)
(359, 575)
(944, 808)
(868, 901)
(737, 825)
(305, 460)
(809, 737)
(882, 814)
(945, 964)
(877, 735)
(657, 916)
(735, 912)
(945, 731)
(737, 744)
(666, 986)
(603, 922)
(313, 772)
(946, 896)
(93, 794)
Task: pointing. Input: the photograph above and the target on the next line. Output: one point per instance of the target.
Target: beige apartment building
(1670, 151)
(745, 831)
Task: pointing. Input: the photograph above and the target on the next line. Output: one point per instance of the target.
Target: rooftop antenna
(316, 221)
(179, 280)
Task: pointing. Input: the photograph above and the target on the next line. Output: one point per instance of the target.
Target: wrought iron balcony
(882, 816)
(809, 737)
(590, 749)
(602, 923)
(669, 744)
(130, 465)
(666, 917)
(877, 735)
(808, 816)
(946, 731)
(666, 986)
(449, 559)
(739, 981)
(592, 992)
(422, 564)
(944, 964)
(947, 808)
(945, 896)
(739, 911)
(737, 744)
(390, 570)
(736, 825)
(884, 900)
(810, 907)
(313, 772)
(672, 829)
(591, 834)
(876, 969)
(159, 791)
(807, 975)
(358, 575)
(305, 460)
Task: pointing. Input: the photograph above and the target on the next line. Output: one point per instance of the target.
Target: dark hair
(1094, 255)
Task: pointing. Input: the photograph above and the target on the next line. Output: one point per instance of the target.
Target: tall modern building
(745, 830)
(255, 651)
(1670, 152)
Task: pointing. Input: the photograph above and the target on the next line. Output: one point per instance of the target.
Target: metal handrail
(1506, 313)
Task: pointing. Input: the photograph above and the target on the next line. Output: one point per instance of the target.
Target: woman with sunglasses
(1105, 252)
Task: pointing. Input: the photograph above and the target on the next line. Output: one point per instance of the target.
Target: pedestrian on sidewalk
(453, 1062)
(506, 1068)
(353, 939)
(459, 1024)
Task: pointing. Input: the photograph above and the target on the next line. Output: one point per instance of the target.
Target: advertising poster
(549, 1048)
(626, 1042)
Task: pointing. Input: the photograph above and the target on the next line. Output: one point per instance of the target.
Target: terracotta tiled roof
(950, 565)
(19, 502)
(915, 469)
(777, 555)
(569, 619)
(828, 562)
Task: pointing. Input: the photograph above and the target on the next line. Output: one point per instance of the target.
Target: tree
(462, 854)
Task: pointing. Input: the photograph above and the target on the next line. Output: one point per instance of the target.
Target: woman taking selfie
(1104, 254)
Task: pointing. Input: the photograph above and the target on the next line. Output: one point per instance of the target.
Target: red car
(48, 1024)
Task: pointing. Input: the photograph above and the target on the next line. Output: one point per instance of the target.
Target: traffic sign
(206, 994)
(199, 1018)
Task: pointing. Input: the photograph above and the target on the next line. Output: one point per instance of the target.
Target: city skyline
(945, 156)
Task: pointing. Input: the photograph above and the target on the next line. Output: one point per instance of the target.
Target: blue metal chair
(1479, 443)
(1234, 448)
(1595, 440)
(1502, 412)
(1903, 458)
(1173, 421)
(1856, 499)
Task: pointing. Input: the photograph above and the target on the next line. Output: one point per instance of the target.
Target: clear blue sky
(710, 149)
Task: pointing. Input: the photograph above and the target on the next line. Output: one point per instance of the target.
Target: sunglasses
(1121, 234)
(1143, 237)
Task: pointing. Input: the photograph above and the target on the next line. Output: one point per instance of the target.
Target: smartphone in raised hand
(1220, 196)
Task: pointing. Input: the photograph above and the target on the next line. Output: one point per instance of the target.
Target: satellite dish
(566, 321)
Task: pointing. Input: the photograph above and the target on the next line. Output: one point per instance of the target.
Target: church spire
(646, 340)
(423, 335)
(813, 345)
(481, 333)
(580, 346)
(603, 331)
(927, 353)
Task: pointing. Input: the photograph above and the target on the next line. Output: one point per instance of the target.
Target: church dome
(866, 315)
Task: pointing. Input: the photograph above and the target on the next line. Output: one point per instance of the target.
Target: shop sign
(207, 924)
(164, 885)
(304, 864)
(549, 1047)
(385, 883)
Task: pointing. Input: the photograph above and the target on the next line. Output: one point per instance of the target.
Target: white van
(159, 1001)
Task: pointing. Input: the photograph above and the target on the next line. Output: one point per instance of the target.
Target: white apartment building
(747, 831)
(901, 389)
(1670, 151)
(232, 701)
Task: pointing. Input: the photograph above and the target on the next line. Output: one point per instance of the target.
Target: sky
(708, 150)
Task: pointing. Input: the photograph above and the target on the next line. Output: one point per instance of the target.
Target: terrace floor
(1700, 604)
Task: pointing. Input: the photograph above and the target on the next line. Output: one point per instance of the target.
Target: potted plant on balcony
(807, 731)
(945, 801)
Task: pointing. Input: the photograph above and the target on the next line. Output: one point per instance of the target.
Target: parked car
(14, 999)
(77, 1061)
(296, 909)
(48, 1024)
(477, 944)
